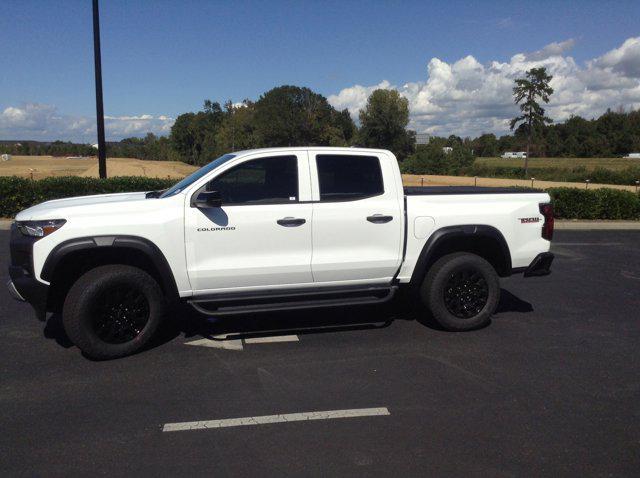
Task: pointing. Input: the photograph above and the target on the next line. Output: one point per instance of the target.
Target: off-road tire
(458, 285)
(85, 301)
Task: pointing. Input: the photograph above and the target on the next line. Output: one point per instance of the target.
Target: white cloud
(355, 97)
(42, 122)
(468, 98)
(625, 60)
(552, 49)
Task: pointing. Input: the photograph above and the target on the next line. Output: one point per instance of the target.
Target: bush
(603, 203)
(17, 193)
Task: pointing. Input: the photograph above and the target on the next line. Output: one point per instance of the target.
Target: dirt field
(615, 164)
(429, 180)
(46, 166)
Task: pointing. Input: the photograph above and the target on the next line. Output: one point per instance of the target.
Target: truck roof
(329, 149)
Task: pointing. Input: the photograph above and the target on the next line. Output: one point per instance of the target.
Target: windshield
(193, 177)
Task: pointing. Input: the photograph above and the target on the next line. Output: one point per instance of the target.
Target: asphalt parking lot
(551, 387)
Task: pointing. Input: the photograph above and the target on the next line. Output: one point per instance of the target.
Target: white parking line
(273, 338)
(266, 419)
(587, 244)
(218, 344)
(226, 343)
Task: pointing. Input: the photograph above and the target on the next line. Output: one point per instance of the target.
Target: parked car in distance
(272, 229)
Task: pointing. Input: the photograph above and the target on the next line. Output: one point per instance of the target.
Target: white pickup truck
(271, 229)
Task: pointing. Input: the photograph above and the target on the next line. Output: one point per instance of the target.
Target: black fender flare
(145, 246)
(444, 234)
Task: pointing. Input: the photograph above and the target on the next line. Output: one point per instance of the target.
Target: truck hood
(57, 208)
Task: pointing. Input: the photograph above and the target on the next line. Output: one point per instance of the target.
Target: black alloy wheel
(466, 293)
(120, 315)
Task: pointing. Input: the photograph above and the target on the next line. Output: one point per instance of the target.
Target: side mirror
(208, 199)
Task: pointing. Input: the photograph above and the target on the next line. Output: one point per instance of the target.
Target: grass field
(40, 167)
(615, 164)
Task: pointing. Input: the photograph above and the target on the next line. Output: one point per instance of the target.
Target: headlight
(39, 228)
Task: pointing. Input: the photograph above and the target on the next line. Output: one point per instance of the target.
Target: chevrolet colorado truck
(272, 229)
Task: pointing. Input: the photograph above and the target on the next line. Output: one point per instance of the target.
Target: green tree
(237, 131)
(383, 123)
(193, 135)
(295, 116)
(485, 145)
(526, 93)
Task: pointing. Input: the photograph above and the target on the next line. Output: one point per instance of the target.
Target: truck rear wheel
(112, 311)
(462, 291)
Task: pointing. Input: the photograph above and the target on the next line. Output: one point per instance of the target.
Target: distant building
(514, 155)
(447, 149)
(632, 156)
(423, 138)
(94, 146)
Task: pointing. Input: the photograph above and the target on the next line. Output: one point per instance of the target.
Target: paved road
(551, 387)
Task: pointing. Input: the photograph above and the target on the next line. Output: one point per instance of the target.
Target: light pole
(102, 153)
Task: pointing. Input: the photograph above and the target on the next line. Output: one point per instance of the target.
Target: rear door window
(348, 178)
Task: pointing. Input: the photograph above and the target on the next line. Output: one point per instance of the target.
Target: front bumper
(540, 266)
(23, 284)
(14, 292)
(26, 288)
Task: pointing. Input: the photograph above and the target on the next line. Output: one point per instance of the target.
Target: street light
(586, 183)
(532, 180)
(637, 183)
(102, 153)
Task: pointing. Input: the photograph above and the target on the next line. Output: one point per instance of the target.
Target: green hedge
(17, 193)
(603, 203)
(578, 174)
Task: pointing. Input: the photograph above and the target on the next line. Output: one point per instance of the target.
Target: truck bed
(443, 190)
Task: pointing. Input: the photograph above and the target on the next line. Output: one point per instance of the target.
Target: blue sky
(163, 58)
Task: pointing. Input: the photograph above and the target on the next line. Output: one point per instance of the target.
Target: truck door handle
(379, 219)
(291, 222)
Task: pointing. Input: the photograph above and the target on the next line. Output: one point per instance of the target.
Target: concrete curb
(598, 225)
(5, 225)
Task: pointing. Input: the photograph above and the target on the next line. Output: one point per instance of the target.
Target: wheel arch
(72, 258)
(485, 241)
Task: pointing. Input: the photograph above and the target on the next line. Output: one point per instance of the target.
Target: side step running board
(231, 307)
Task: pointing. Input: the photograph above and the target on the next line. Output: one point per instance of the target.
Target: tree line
(150, 147)
(613, 134)
(297, 116)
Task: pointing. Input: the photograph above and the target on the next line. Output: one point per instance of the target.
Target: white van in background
(514, 155)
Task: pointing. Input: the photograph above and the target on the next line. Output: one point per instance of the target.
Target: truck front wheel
(461, 290)
(112, 311)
